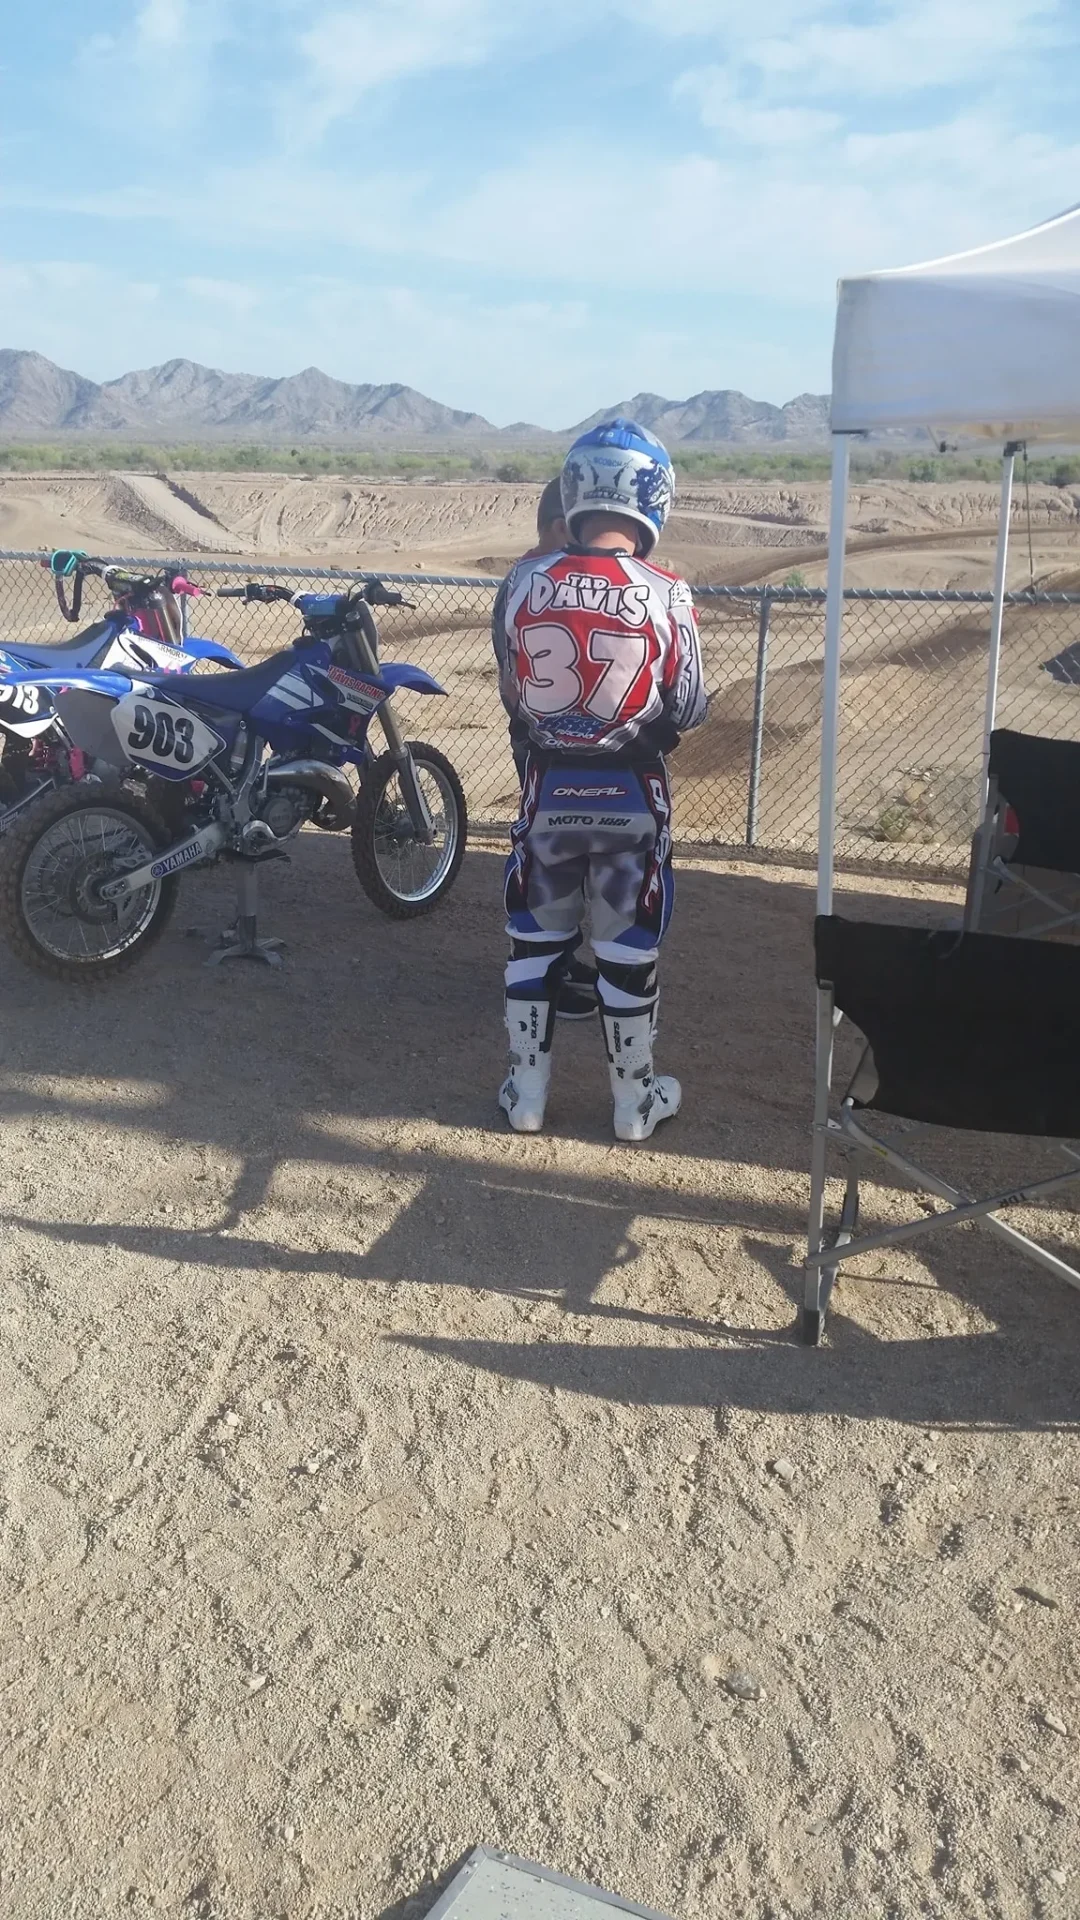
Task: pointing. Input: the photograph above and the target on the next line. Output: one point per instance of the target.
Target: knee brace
(534, 966)
(626, 989)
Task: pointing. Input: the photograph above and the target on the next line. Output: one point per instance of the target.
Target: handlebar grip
(255, 591)
(66, 564)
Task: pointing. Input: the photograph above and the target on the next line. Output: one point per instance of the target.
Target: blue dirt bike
(142, 630)
(231, 766)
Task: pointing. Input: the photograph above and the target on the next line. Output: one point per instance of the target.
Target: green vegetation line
(527, 466)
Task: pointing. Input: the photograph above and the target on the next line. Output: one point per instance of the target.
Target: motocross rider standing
(600, 671)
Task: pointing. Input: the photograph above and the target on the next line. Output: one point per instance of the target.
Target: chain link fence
(912, 697)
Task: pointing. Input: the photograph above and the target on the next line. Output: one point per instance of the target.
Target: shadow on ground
(377, 1054)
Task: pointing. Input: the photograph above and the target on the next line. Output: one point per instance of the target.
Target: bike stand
(240, 941)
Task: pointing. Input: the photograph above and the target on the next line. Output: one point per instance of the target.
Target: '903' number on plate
(165, 735)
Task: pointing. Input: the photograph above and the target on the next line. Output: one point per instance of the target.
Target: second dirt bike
(144, 630)
(88, 878)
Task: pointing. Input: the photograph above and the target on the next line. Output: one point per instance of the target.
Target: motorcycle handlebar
(67, 564)
(255, 590)
(377, 595)
(373, 592)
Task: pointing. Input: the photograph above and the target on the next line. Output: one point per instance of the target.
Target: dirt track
(736, 532)
(375, 1482)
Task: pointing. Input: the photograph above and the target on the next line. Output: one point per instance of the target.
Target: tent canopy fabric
(987, 342)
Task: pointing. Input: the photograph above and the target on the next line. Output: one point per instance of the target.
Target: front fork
(419, 811)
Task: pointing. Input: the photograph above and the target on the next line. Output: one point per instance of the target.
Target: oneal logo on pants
(588, 793)
(172, 862)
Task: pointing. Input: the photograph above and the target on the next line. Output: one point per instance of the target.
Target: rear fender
(210, 650)
(410, 679)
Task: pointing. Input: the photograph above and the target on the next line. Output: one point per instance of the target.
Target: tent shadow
(967, 1382)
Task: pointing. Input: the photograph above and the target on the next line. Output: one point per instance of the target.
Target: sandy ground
(374, 1482)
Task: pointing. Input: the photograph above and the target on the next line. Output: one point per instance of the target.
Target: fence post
(757, 733)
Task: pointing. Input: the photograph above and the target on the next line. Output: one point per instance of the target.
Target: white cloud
(161, 26)
(161, 62)
(779, 210)
(714, 91)
(297, 206)
(910, 47)
(728, 22)
(784, 224)
(232, 298)
(353, 51)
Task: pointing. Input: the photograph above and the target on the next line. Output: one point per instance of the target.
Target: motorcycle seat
(235, 692)
(79, 651)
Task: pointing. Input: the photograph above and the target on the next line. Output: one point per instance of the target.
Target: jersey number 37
(604, 677)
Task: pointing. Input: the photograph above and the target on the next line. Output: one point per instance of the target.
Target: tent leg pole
(997, 612)
(814, 1297)
(822, 1088)
(830, 693)
(817, 1283)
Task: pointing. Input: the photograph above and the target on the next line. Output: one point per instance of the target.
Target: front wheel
(53, 864)
(402, 874)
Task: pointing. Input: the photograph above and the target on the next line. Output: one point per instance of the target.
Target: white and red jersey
(593, 649)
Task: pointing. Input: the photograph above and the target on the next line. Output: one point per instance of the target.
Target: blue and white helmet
(619, 467)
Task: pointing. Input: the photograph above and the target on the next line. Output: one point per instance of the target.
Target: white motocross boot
(642, 1098)
(523, 1094)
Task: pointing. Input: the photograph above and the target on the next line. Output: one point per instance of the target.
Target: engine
(296, 791)
(285, 809)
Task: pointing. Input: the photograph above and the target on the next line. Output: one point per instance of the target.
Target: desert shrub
(515, 465)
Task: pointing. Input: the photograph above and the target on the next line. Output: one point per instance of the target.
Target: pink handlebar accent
(181, 585)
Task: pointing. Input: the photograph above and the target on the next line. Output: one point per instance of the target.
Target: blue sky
(528, 207)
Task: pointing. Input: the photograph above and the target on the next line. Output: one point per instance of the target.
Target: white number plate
(25, 710)
(161, 735)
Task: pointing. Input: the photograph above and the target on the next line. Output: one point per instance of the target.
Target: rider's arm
(505, 646)
(685, 699)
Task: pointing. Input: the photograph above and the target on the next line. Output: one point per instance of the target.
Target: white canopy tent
(983, 343)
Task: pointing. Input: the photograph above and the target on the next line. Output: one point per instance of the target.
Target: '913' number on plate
(22, 699)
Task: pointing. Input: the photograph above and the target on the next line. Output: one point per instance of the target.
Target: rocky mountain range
(716, 418)
(182, 400)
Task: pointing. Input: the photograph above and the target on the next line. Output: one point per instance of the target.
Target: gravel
(220, 1696)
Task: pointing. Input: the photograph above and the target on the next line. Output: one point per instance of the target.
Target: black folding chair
(1031, 821)
(966, 1030)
